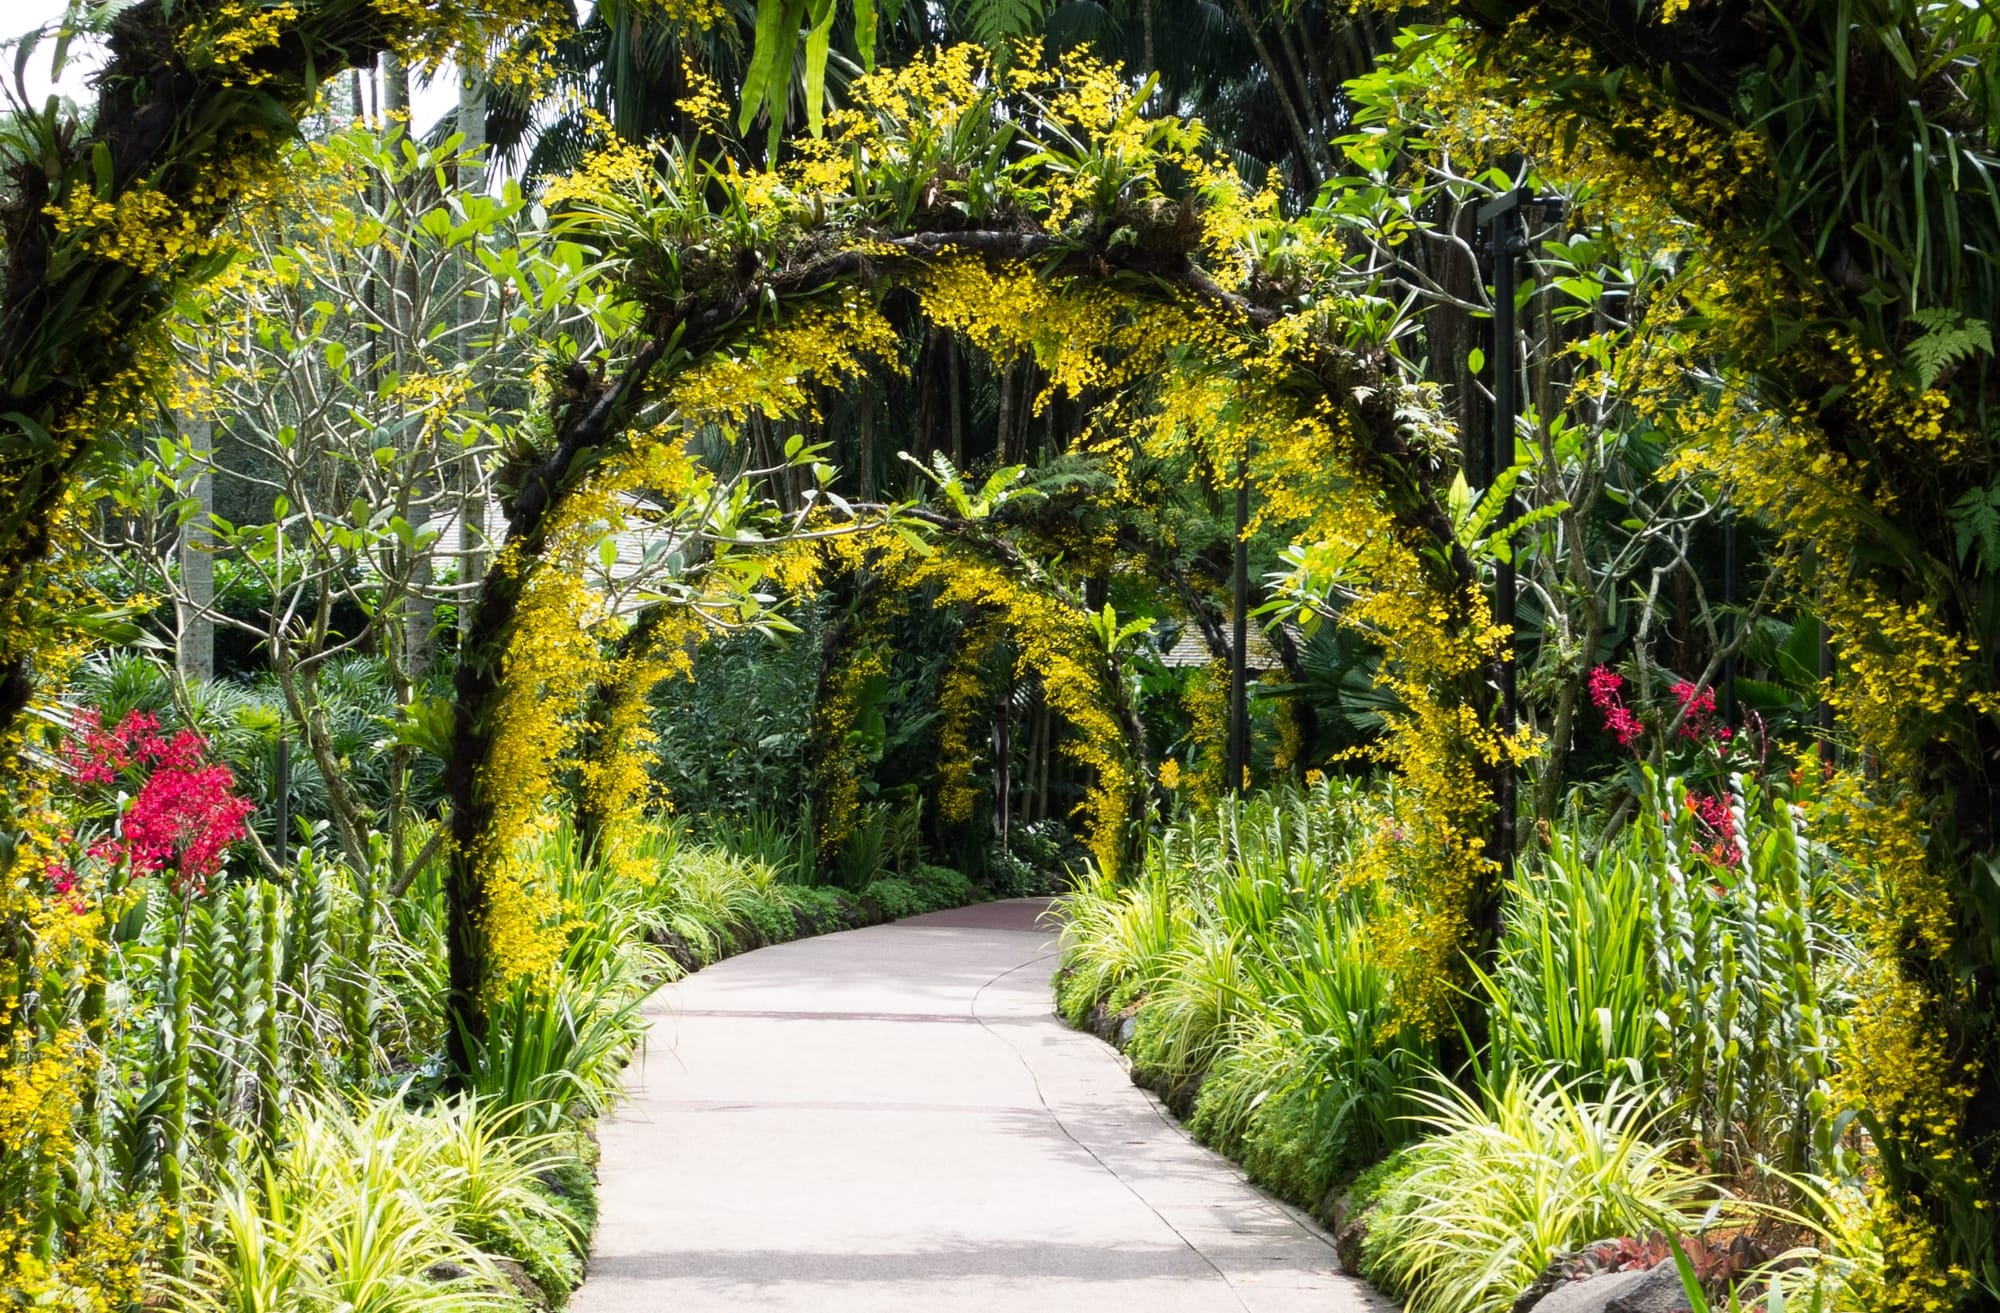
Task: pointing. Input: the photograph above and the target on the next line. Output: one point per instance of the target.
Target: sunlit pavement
(891, 1119)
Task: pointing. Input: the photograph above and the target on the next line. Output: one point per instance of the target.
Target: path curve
(892, 1119)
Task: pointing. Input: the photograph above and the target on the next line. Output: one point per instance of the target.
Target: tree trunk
(194, 643)
(475, 549)
(954, 363)
(1301, 139)
(1004, 425)
(869, 404)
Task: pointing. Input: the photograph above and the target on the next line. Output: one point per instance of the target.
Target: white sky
(431, 101)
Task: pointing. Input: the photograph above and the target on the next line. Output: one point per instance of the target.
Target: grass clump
(1470, 1216)
(376, 1208)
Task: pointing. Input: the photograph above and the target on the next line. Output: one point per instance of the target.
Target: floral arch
(1034, 211)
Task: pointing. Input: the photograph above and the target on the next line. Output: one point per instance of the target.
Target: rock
(1591, 1295)
(1180, 1098)
(524, 1285)
(811, 922)
(1655, 1290)
(516, 1277)
(1658, 1290)
(1347, 1242)
(1555, 1276)
(677, 947)
(1114, 1028)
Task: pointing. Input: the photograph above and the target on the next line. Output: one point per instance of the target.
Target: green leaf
(864, 32)
(773, 16)
(38, 438)
(817, 42)
(1975, 522)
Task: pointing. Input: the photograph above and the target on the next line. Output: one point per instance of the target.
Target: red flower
(1605, 686)
(184, 814)
(1698, 714)
(1712, 813)
(62, 883)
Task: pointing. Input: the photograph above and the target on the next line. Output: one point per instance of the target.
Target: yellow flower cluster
(960, 699)
(613, 782)
(554, 659)
(227, 39)
(691, 16)
(775, 372)
(102, 1268)
(703, 104)
(551, 663)
(1014, 312)
(613, 166)
(39, 1089)
(1206, 701)
(835, 720)
(143, 228)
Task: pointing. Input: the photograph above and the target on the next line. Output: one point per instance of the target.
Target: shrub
(940, 887)
(1011, 875)
(1041, 844)
(1322, 1073)
(769, 916)
(817, 910)
(1721, 980)
(1115, 937)
(565, 1040)
(896, 898)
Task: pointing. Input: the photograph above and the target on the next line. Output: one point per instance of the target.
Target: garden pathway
(891, 1119)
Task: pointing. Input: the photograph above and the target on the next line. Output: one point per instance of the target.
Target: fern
(1949, 337)
(995, 23)
(1975, 519)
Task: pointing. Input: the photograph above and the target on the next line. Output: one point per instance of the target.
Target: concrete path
(891, 1119)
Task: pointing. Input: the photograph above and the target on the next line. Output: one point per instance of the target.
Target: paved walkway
(891, 1119)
